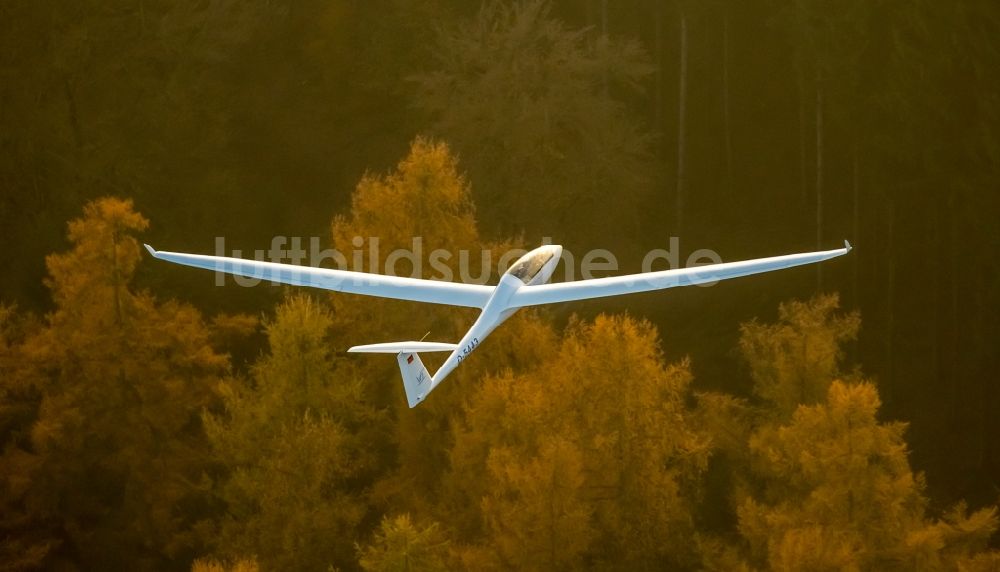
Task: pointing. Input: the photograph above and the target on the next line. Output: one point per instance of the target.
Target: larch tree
(607, 396)
(839, 494)
(536, 511)
(210, 565)
(822, 482)
(839, 491)
(423, 199)
(117, 448)
(401, 545)
(292, 445)
(794, 360)
(791, 362)
(28, 539)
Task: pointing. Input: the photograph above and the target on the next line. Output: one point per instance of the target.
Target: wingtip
(151, 250)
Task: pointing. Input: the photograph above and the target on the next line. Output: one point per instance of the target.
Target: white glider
(524, 284)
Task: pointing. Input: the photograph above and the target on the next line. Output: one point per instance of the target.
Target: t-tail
(416, 380)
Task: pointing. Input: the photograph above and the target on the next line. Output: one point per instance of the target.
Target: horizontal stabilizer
(408, 347)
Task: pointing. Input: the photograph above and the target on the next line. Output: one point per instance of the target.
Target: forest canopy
(836, 417)
(132, 441)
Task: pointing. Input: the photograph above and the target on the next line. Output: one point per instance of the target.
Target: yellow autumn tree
(295, 442)
(840, 494)
(536, 509)
(821, 482)
(117, 447)
(401, 545)
(839, 490)
(210, 565)
(619, 414)
(28, 538)
(426, 199)
(793, 361)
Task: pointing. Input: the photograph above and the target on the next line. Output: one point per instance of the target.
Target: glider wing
(631, 283)
(398, 287)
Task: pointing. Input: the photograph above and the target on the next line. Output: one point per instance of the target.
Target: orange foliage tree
(822, 483)
(115, 450)
(591, 451)
(427, 199)
(295, 446)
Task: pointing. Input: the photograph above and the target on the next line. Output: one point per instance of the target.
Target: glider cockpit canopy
(528, 266)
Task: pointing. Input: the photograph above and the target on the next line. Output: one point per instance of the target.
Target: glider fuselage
(535, 267)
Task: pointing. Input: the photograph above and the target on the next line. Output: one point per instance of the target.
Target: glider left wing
(397, 287)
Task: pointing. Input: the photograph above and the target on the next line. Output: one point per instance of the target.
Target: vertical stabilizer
(416, 380)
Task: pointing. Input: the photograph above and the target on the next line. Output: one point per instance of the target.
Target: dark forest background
(752, 128)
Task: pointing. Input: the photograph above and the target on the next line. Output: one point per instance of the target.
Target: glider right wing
(398, 287)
